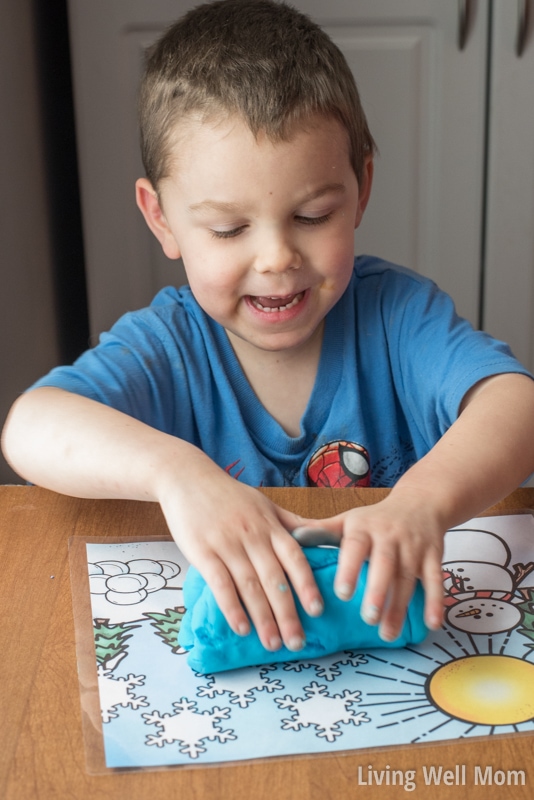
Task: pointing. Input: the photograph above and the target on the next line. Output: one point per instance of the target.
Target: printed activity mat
(144, 706)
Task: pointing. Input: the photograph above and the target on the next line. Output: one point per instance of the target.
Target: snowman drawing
(482, 592)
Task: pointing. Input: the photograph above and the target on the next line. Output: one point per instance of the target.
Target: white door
(509, 281)
(424, 94)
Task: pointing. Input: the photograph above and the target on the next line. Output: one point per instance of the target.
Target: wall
(31, 310)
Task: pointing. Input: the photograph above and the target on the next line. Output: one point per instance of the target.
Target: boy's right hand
(236, 537)
(239, 541)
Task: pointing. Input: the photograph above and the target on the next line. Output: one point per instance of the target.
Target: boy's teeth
(277, 303)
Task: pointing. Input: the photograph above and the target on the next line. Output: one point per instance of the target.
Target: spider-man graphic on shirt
(339, 464)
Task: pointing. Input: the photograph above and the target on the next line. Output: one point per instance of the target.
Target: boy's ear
(364, 188)
(149, 205)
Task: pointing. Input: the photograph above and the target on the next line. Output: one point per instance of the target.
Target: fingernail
(316, 607)
(370, 614)
(243, 629)
(296, 643)
(275, 643)
(344, 591)
(388, 635)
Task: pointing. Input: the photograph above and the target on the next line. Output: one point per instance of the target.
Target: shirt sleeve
(438, 356)
(137, 368)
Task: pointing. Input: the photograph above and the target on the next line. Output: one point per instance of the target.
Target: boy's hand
(402, 542)
(240, 542)
(237, 538)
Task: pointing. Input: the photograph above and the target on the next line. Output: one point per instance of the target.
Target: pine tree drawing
(168, 626)
(527, 622)
(110, 642)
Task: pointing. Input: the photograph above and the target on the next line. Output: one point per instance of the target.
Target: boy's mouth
(272, 304)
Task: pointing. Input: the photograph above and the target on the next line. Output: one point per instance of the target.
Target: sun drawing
(475, 676)
(485, 689)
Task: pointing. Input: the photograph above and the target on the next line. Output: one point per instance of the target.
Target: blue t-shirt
(396, 362)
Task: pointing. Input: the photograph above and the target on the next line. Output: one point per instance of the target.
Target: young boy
(285, 362)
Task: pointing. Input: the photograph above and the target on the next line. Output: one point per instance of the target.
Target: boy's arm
(485, 454)
(234, 535)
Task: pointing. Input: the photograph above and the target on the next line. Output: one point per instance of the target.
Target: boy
(285, 361)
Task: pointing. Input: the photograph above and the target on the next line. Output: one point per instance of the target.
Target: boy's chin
(276, 343)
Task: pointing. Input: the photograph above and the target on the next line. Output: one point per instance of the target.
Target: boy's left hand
(402, 543)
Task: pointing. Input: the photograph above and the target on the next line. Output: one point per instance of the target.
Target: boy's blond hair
(259, 59)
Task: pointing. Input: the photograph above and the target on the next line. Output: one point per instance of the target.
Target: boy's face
(265, 230)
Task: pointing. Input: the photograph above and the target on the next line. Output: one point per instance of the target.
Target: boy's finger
(260, 595)
(282, 606)
(238, 590)
(354, 550)
(224, 591)
(299, 573)
(397, 606)
(264, 591)
(432, 578)
(280, 568)
(383, 566)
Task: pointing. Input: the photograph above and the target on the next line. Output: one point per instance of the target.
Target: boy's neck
(282, 380)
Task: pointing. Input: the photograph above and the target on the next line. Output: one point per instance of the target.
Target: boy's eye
(231, 234)
(314, 220)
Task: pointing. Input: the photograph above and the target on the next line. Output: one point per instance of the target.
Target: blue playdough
(214, 647)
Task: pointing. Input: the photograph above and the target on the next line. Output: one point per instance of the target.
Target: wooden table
(41, 745)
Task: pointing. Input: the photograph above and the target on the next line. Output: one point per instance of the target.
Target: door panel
(425, 100)
(509, 280)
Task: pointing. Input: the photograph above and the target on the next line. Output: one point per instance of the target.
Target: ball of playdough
(214, 647)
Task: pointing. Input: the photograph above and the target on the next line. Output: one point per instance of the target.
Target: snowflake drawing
(233, 682)
(189, 727)
(328, 667)
(115, 692)
(325, 712)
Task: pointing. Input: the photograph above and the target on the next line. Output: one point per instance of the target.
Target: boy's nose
(278, 255)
